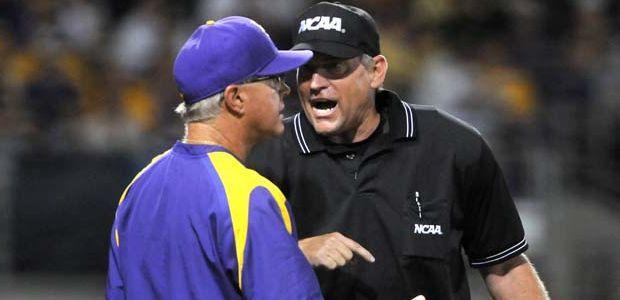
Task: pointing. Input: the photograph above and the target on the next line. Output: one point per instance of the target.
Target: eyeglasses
(274, 81)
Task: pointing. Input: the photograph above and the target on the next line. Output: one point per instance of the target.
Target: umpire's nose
(317, 83)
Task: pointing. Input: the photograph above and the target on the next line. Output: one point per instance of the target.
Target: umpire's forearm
(514, 279)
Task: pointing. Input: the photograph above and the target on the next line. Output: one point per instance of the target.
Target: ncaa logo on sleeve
(321, 22)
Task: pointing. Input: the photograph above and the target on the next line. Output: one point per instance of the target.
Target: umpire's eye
(330, 69)
(336, 69)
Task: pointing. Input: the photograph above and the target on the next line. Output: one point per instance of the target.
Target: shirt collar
(181, 148)
(400, 123)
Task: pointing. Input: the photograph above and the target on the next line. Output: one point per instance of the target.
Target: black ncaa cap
(338, 30)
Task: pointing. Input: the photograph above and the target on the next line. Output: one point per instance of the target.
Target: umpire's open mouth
(323, 107)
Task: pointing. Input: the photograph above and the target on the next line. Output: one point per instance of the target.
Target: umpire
(410, 183)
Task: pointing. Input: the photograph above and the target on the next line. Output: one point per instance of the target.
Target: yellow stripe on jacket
(239, 182)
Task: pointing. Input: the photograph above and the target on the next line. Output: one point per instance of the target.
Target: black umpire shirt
(421, 188)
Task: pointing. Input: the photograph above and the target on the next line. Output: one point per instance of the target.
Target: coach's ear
(378, 71)
(234, 100)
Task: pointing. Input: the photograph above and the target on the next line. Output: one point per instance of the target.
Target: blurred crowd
(538, 78)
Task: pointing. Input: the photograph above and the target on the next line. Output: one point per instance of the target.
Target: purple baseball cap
(229, 51)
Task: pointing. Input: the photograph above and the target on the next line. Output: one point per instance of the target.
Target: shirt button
(350, 156)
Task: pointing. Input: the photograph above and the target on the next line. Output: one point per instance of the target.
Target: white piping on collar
(408, 119)
(300, 135)
(301, 141)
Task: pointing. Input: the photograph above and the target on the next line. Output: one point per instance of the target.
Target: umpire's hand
(332, 250)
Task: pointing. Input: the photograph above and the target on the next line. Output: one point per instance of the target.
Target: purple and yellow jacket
(196, 224)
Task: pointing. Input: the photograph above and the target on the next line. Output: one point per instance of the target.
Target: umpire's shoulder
(431, 120)
(443, 130)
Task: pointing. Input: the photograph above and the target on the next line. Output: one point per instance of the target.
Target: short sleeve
(275, 267)
(493, 230)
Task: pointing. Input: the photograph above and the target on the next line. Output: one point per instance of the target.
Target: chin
(279, 130)
(325, 129)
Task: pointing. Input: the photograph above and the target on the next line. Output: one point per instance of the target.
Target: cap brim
(330, 48)
(285, 61)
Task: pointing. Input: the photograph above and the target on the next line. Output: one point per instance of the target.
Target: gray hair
(203, 110)
(367, 61)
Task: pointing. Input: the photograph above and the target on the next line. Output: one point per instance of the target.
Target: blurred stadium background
(87, 98)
